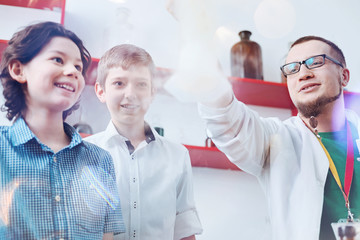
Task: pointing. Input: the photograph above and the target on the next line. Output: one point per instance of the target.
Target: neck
(48, 128)
(134, 132)
(331, 119)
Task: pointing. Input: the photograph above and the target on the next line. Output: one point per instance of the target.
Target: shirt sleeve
(187, 221)
(241, 134)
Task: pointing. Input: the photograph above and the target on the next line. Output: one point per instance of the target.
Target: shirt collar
(112, 133)
(75, 136)
(149, 135)
(21, 133)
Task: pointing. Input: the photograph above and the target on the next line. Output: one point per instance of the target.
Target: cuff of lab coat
(209, 112)
(187, 224)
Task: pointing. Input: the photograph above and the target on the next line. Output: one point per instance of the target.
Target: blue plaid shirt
(70, 194)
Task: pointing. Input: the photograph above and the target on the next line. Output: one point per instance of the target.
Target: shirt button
(57, 198)
(132, 157)
(54, 159)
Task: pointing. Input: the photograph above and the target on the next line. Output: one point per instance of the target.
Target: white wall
(13, 18)
(231, 205)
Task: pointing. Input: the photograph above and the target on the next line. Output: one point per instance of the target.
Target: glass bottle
(246, 59)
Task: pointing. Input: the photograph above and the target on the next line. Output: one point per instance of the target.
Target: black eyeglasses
(310, 63)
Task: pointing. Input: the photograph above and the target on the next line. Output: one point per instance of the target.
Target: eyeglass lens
(312, 62)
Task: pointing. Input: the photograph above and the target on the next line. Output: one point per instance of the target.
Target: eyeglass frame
(304, 63)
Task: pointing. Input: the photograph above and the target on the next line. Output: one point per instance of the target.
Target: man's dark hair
(338, 54)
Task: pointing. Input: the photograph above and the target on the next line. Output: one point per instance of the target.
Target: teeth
(308, 87)
(129, 106)
(65, 86)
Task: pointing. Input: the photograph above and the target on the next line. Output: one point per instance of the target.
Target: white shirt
(287, 159)
(155, 186)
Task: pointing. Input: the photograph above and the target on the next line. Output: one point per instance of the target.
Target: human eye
(79, 68)
(119, 83)
(142, 84)
(57, 60)
(291, 68)
(314, 62)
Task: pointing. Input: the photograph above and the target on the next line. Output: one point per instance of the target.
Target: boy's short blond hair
(125, 56)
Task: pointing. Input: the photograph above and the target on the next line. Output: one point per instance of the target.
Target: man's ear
(345, 77)
(16, 70)
(100, 92)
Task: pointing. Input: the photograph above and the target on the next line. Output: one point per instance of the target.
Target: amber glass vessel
(246, 58)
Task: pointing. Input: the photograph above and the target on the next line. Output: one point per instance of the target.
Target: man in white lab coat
(304, 193)
(303, 197)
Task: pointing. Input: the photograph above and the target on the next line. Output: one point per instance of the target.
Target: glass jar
(246, 58)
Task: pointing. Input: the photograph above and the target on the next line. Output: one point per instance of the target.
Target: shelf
(261, 93)
(210, 157)
(3, 44)
(48, 5)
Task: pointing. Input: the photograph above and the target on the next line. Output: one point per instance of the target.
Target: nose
(130, 92)
(71, 71)
(305, 73)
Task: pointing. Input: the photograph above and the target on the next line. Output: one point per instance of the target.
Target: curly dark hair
(24, 46)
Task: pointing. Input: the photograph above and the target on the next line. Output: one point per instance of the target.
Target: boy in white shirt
(154, 175)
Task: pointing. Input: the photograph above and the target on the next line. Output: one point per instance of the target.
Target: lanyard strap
(349, 170)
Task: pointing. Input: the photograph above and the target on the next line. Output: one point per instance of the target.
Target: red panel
(210, 157)
(92, 72)
(3, 45)
(84, 135)
(38, 4)
(261, 93)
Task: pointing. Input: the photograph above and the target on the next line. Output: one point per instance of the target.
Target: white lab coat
(287, 159)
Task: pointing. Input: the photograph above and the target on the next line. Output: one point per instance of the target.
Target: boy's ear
(153, 92)
(16, 71)
(100, 92)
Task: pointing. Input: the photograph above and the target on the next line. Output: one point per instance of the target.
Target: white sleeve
(187, 221)
(241, 134)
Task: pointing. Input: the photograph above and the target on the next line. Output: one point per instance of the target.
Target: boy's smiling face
(127, 94)
(53, 78)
